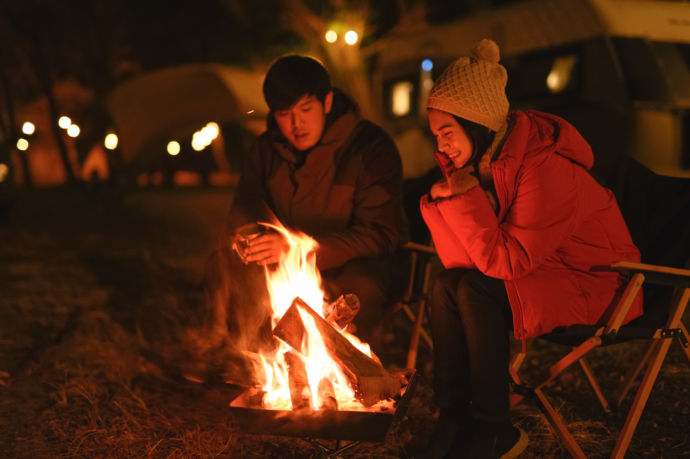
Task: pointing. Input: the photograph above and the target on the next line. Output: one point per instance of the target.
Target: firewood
(291, 329)
(342, 311)
(370, 380)
(299, 384)
(327, 400)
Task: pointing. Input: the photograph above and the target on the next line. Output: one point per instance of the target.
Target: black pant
(470, 320)
(238, 296)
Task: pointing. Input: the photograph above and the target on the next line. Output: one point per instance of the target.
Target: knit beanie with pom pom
(473, 87)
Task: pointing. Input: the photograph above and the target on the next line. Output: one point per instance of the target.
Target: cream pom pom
(486, 50)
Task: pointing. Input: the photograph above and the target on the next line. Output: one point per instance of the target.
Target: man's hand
(266, 249)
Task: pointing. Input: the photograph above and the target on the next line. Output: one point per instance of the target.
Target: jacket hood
(535, 133)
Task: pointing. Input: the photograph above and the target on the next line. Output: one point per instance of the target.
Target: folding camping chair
(422, 262)
(413, 303)
(660, 231)
(612, 332)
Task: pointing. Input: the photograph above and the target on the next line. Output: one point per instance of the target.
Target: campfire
(318, 367)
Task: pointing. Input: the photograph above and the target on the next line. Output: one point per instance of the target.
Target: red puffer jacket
(554, 223)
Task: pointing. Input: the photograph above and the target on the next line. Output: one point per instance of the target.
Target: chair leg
(685, 348)
(573, 356)
(414, 340)
(558, 425)
(595, 385)
(634, 372)
(423, 333)
(657, 358)
(640, 399)
(514, 369)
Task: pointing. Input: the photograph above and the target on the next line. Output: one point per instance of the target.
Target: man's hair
(292, 77)
(480, 136)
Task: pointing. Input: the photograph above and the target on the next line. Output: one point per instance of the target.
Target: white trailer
(619, 70)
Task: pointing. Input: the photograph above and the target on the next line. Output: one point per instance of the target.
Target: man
(322, 170)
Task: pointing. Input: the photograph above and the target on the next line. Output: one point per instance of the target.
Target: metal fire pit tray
(323, 424)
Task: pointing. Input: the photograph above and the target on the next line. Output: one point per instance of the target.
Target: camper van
(619, 70)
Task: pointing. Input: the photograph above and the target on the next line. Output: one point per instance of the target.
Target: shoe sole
(518, 447)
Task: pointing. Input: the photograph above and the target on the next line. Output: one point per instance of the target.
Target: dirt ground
(95, 287)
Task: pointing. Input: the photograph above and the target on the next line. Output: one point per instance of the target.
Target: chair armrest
(419, 248)
(645, 268)
(656, 274)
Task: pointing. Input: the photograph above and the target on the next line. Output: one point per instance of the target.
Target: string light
(73, 130)
(110, 141)
(64, 122)
(351, 37)
(173, 148)
(331, 36)
(28, 128)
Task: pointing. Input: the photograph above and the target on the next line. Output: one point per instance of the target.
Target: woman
(518, 222)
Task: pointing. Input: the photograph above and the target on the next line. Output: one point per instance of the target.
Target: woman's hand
(460, 181)
(457, 182)
(440, 189)
(266, 249)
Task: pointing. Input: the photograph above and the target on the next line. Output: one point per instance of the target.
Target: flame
(297, 276)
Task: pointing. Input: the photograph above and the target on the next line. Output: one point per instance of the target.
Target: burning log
(372, 383)
(327, 400)
(299, 384)
(342, 311)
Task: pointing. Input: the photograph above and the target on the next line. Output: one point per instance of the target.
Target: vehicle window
(675, 60)
(642, 68)
(400, 97)
(543, 74)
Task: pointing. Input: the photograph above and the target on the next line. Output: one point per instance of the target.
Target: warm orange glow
(561, 72)
(297, 275)
(4, 172)
(401, 98)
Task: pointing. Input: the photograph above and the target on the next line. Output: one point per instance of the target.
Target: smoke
(236, 326)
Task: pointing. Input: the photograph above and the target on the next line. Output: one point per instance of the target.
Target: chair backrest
(656, 209)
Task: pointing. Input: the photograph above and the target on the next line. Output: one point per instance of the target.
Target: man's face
(302, 124)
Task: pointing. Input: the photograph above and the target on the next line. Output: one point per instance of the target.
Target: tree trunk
(12, 131)
(47, 85)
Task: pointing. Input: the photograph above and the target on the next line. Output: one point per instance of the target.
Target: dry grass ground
(94, 288)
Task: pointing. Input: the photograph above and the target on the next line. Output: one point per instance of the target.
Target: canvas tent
(172, 103)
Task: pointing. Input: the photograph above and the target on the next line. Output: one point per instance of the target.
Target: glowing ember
(297, 276)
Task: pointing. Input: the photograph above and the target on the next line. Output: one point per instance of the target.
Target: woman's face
(451, 138)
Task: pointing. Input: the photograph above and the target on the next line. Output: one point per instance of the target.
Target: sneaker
(513, 447)
(508, 444)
